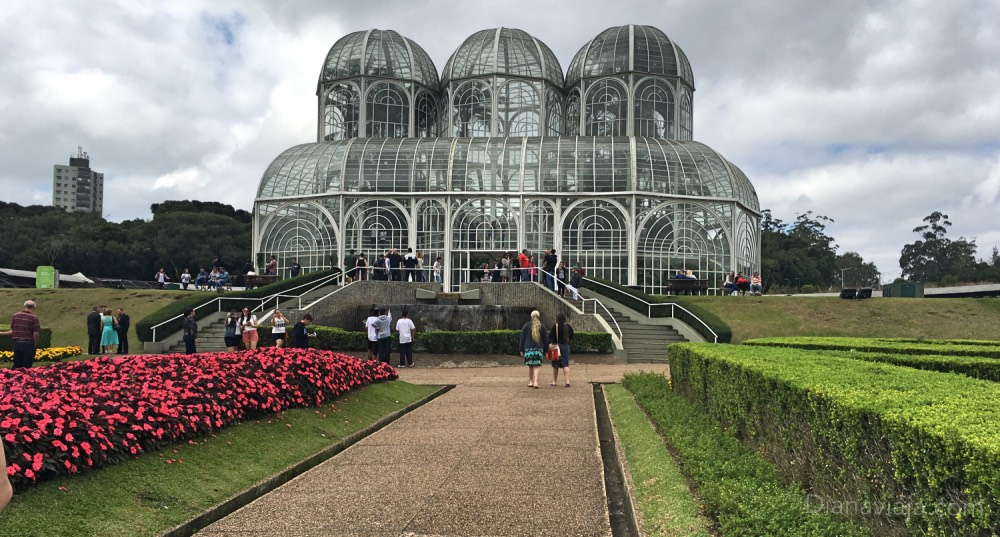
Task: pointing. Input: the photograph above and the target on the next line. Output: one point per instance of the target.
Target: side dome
(630, 48)
(380, 54)
(505, 52)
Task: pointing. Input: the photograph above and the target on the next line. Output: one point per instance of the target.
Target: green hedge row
(44, 339)
(740, 490)
(186, 299)
(632, 298)
(902, 450)
(858, 344)
(975, 367)
(441, 342)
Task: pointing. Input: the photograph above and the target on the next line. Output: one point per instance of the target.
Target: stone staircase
(210, 339)
(644, 341)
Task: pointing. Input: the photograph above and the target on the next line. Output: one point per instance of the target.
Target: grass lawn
(65, 310)
(775, 316)
(148, 495)
(665, 504)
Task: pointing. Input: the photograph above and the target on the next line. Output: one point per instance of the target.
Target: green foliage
(981, 348)
(44, 339)
(740, 490)
(181, 234)
(935, 256)
(797, 254)
(913, 451)
(855, 272)
(144, 328)
(443, 342)
(665, 502)
(633, 297)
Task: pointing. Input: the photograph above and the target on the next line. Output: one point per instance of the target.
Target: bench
(687, 285)
(256, 280)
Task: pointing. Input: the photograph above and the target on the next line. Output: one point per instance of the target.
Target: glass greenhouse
(503, 153)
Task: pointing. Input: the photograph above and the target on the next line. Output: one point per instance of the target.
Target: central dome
(504, 52)
(633, 47)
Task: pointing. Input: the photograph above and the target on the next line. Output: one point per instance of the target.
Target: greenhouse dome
(504, 155)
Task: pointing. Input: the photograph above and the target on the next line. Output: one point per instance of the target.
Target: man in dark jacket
(123, 323)
(395, 266)
(94, 332)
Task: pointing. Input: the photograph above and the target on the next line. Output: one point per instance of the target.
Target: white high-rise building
(76, 187)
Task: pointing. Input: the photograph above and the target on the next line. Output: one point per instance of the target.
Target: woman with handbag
(532, 347)
(561, 335)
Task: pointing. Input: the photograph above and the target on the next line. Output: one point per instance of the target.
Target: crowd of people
(738, 284)
(107, 331)
(218, 276)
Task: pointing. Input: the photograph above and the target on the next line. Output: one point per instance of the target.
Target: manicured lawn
(778, 316)
(65, 310)
(157, 491)
(665, 504)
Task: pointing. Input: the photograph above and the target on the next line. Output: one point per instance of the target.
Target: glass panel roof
(633, 47)
(379, 53)
(503, 51)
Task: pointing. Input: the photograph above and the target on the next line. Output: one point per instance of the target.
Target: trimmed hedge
(739, 489)
(980, 368)
(857, 344)
(631, 298)
(144, 328)
(902, 450)
(442, 342)
(44, 339)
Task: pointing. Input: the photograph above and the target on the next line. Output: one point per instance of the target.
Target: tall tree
(935, 256)
(855, 272)
(797, 254)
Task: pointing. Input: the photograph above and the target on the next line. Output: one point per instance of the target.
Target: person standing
(421, 275)
(272, 266)
(248, 328)
(161, 278)
(124, 322)
(185, 279)
(409, 266)
(295, 268)
(361, 266)
(438, 267)
(350, 266)
(190, 331)
(24, 331)
(561, 278)
(549, 266)
(93, 332)
(300, 332)
(405, 328)
(278, 324)
(532, 347)
(561, 335)
(232, 331)
(524, 262)
(372, 332)
(383, 326)
(109, 333)
(395, 262)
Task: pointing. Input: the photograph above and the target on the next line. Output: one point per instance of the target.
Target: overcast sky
(874, 113)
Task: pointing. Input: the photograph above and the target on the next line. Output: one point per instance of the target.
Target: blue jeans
(24, 354)
(189, 344)
(550, 282)
(525, 275)
(384, 346)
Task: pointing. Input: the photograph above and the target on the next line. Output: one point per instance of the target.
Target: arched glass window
(553, 111)
(654, 109)
(539, 228)
(472, 110)
(685, 122)
(484, 225)
(340, 112)
(388, 111)
(375, 226)
(682, 236)
(431, 220)
(300, 232)
(519, 110)
(595, 235)
(572, 127)
(607, 109)
(425, 115)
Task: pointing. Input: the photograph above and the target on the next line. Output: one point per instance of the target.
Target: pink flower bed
(67, 417)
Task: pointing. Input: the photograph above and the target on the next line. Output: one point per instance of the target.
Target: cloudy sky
(874, 113)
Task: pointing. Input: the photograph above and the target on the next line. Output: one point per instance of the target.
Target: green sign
(46, 277)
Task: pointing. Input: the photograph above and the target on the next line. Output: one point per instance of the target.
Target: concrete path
(490, 457)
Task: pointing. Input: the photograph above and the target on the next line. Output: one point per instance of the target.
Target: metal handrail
(263, 301)
(671, 305)
(621, 337)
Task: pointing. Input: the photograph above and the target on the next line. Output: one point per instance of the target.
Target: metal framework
(598, 165)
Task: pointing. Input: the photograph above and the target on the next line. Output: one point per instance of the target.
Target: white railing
(264, 301)
(649, 308)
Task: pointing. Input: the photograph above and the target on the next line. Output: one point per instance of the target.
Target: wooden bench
(257, 280)
(687, 285)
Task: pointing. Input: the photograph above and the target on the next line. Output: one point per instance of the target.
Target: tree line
(181, 234)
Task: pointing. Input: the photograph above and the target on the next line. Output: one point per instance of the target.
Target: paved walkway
(490, 457)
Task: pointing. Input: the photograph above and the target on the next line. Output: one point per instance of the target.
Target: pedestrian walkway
(490, 457)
